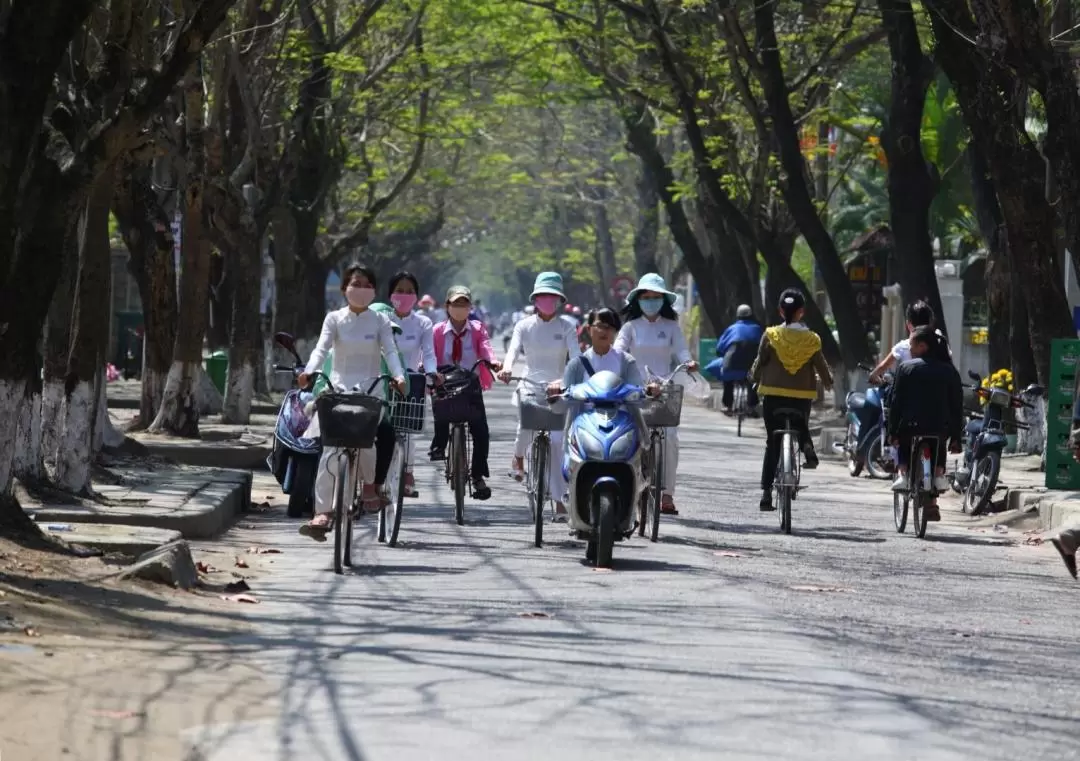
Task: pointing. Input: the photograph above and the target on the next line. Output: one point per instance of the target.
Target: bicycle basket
(537, 415)
(349, 421)
(407, 412)
(458, 401)
(665, 412)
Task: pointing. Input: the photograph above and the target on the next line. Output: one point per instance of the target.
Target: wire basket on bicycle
(664, 411)
(459, 399)
(348, 420)
(536, 414)
(407, 411)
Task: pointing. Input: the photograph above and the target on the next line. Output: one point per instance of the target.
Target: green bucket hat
(651, 282)
(388, 310)
(549, 283)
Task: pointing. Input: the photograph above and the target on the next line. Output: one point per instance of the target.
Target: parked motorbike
(978, 479)
(602, 463)
(866, 444)
(294, 460)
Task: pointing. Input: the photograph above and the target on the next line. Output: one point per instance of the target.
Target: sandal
(409, 487)
(317, 529)
(371, 499)
(517, 470)
(667, 505)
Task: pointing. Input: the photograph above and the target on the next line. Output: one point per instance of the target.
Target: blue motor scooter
(866, 442)
(602, 464)
(294, 460)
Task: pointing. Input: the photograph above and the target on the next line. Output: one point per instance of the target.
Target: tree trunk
(853, 341)
(287, 302)
(89, 340)
(911, 186)
(999, 279)
(246, 339)
(604, 252)
(179, 411)
(647, 229)
(314, 298)
(1018, 174)
(148, 235)
(57, 347)
(221, 301)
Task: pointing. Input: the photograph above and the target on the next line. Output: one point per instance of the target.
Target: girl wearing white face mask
(547, 342)
(652, 335)
(416, 344)
(360, 339)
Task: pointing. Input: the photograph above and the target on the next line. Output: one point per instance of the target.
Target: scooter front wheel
(875, 461)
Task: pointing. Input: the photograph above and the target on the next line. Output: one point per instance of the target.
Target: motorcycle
(978, 480)
(294, 460)
(602, 464)
(866, 444)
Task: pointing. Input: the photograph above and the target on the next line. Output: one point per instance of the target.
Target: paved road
(724, 640)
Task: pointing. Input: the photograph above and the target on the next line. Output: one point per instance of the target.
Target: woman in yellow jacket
(788, 363)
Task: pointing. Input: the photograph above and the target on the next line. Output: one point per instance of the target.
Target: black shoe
(437, 455)
(481, 490)
(766, 505)
(810, 459)
(1070, 560)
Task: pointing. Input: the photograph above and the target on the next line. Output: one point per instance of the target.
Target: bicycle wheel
(657, 487)
(982, 483)
(646, 494)
(787, 471)
(740, 407)
(342, 520)
(539, 458)
(390, 516)
(900, 510)
(918, 518)
(460, 472)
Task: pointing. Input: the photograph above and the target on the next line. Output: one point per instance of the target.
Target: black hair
(403, 275)
(357, 269)
(604, 316)
(919, 313)
(632, 310)
(791, 301)
(924, 334)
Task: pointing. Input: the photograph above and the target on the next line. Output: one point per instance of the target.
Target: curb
(205, 515)
(115, 538)
(257, 408)
(205, 454)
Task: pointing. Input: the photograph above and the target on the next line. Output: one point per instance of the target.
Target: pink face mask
(403, 302)
(546, 304)
(459, 313)
(359, 298)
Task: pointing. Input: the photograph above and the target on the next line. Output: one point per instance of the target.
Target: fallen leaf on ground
(241, 563)
(727, 554)
(117, 714)
(240, 598)
(811, 588)
(30, 631)
(1034, 541)
(262, 507)
(533, 614)
(263, 551)
(602, 570)
(202, 567)
(237, 586)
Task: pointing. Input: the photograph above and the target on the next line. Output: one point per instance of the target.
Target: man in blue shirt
(735, 352)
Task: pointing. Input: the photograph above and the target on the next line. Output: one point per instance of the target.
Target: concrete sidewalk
(125, 395)
(197, 503)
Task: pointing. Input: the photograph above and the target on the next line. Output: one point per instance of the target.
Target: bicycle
(453, 403)
(539, 419)
(788, 467)
(739, 405)
(920, 489)
(349, 421)
(407, 417)
(659, 414)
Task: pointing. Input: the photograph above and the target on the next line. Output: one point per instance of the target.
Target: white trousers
(556, 482)
(329, 463)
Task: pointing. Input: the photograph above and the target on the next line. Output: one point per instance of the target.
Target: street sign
(621, 287)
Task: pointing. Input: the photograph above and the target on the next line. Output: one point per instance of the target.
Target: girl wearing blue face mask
(651, 333)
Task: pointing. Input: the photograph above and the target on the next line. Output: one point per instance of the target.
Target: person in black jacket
(927, 400)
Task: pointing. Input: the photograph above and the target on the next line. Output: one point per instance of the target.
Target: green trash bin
(217, 367)
(706, 351)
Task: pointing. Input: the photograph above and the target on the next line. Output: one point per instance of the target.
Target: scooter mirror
(287, 342)
(974, 376)
(1034, 390)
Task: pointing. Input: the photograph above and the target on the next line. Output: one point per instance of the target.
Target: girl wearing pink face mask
(360, 339)
(546, 341)
(416, 346)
